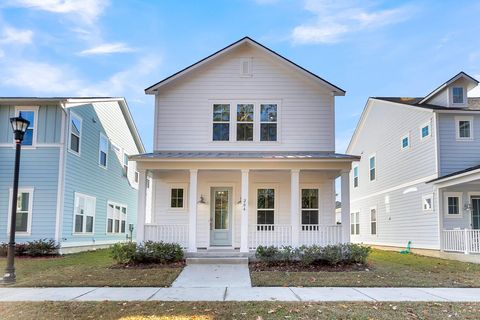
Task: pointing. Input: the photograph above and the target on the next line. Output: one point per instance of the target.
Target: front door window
(221, 209)
(476, 213)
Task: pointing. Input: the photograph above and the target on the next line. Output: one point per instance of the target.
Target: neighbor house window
(355, 176)
(355, 223)
(177, 198)
(453, 203)
(29, 138)
(103, 150)
(309, 207)
(405, 141)
(464, 126)
(266, 207)
(373, 221)
(427, 202)
(425, 131)
(137, 177)
(245, 122)
(372, 168)
(268, 122)
(75, 133)
(457, 93)
(24, 211)
(84, 213)
(221, 122)
(116, 218)
(125, 163)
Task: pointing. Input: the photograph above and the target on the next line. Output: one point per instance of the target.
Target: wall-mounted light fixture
(467, 207)
(202, 199)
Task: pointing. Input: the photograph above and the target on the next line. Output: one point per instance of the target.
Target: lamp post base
(9, 278)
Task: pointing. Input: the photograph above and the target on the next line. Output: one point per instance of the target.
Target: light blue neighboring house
(76, 185)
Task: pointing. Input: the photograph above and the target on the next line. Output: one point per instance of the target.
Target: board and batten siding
(184, 107)
(400, 176)
(83, 174)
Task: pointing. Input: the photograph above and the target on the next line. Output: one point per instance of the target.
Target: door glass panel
(221, 209)
(476, 213)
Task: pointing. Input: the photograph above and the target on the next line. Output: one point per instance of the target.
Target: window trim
(407, 135)
(374, 168)
(84, 233)
(30, 191)
(71, 115)
(358, 176)
(306, 187)
(426, 196)
(260, 122)
(457, 127)
(463, 95)
(102, 135)
(275, 204)
(35, 109)
(236, 123)
(459, 195)
(376, 220)
(113, 226)
(426, 124)
(230, 121)
(183, 186)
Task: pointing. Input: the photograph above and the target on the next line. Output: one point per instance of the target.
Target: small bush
(147, 252)
(36, 248)
(267, 254)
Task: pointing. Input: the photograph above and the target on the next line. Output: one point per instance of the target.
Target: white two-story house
(419, 176)
(244, 155)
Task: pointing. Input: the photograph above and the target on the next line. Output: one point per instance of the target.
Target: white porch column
(345, 181)
(192, 211)
(295, 206)
(141, 205)
(244, 218)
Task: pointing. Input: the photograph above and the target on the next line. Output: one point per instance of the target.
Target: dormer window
(458, 97)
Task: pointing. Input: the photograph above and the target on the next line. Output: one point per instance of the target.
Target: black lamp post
(19, 126)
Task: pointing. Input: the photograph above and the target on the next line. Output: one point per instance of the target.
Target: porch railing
(321, 235)
(461, 240)
(277, 235)
(173, 233)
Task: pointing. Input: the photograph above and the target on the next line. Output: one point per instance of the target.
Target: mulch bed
(179, 264)
(298, 267)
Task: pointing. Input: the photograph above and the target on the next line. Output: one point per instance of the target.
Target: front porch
(244, 204)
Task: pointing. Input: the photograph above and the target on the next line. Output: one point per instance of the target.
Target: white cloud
(16, 36)
(336, 19)
(107, 48)
(475, 92)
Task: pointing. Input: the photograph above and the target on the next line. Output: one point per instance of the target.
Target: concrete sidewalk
(318, 294)
(213, 276)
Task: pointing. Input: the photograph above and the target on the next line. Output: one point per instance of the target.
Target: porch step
(217, 260)
(218, 254)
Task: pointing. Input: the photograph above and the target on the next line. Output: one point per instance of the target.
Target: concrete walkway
(319, 294)
(213, 276)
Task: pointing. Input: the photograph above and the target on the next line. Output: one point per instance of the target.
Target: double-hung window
(355, 223)
(245, 122)
(425, 131)
(75, 129)
(457, 94)
(355, 176)
(464, 126)
(103, 150)
(372, 168)
(177, 198)
(221, 122)
(268, 122)
(373, 221)
(453, 204)
(29, 114)
(309, 209)
(24, 211)
(116, 218)
(84, 213)
(405, 141)
(265, 209)
(125, 163)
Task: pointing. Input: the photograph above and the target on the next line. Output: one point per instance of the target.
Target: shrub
(267, 254)
(358, 253)
(332, 254)
(147, 252)
(36, 248)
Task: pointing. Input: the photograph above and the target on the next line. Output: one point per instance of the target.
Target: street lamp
(19, 126)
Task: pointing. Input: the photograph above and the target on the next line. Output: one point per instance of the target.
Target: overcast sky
(118, 48)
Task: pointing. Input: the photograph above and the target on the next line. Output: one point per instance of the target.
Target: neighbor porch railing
(172, 233)
(320, 235)
(461, 240)
(277, 235)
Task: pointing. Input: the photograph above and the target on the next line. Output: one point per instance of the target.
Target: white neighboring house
(244, 155)
(419, 176)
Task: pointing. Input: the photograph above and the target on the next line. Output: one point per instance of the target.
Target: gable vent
(246, 67)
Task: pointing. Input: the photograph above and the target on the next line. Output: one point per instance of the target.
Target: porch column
(141, 205)
(244, 218)
(295, 206)
(438, 206)
(345, 181)
(192, 211)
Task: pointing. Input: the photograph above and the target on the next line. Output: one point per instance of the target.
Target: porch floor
(213, 276)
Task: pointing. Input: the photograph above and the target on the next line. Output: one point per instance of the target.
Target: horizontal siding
(184, 111)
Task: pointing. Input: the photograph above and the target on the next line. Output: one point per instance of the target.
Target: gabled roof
(461, 74)
(415, 102)
(64, 101)
(246, 40)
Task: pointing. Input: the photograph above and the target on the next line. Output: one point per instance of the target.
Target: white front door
(221, 217)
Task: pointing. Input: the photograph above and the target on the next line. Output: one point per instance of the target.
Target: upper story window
(406, 141)
(75, 129)
(221, 122)
(245, 122)
(29, 114)
(457, 94)
(425, 131)
(103, 150)
(464, 128)
(427, 202)
(84, 213)
(372, 168)
(310, 206)
(268, 122)
(246, 67)
(355, 176)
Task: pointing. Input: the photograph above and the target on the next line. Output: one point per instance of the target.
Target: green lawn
(86, 269)
(385, 269)
(236, 310)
